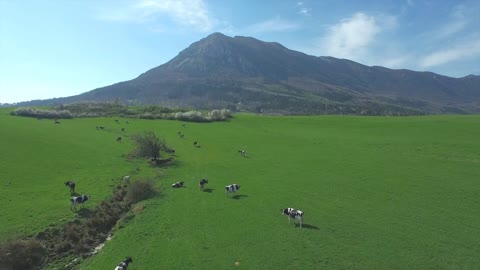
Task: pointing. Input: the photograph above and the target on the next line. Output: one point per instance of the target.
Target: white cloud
(190, 13)
(457, 22)
(273, 25)
(396, 62)
(303, 10)
(351, 37)
(465, 50)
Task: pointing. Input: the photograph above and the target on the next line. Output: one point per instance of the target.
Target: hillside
(246, 74)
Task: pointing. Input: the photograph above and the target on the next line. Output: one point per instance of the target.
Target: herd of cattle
(291, 213)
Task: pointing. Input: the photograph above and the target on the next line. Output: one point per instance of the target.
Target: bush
(22, 255)
(148, 145)
(33, 112)
(140, 190)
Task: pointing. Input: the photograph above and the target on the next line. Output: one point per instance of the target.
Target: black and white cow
(232, 188)
(242, 152)
(293, 214)
(78, 199)
(126, 179)
(124, 264)
(203, 182)
(177, 185)
(70, 185)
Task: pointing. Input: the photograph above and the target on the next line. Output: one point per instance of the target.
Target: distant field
(377, 192)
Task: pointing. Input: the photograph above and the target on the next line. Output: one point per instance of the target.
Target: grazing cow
(116, 121)
(195, 144)
(184, 125)
(56, 121)
(122, 130)
(71, 185)
(78, 199)
(119, 139)
(177, 185)
(232, 188)
(124, 264)
(126, 179)
(203, 182)
(293, 214)
(102, 127)
(242, 152)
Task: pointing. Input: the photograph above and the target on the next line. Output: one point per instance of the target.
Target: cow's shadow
(74, 194)
(308, 226)
(209, 190)
(84, 212)
(238, 196)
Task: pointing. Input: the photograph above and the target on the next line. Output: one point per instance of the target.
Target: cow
(124, 264)
(202, 183)
(116, 121)
(242, 152)
(122, 130)
(195, 143)
(177, 185)
(78, 199)
(119, 139)
(126, 179)
(101, 127)
(293, 214)
(231, 188)
(56, 121)
(71, 185)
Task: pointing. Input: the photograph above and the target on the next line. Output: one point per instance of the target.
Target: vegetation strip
(113, 109)
(77, 238)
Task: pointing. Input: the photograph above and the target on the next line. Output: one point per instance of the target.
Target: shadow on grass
(172, 163)
(74, 194)
(308, 226)
(84, 213)
(237, 197)
(209, 190)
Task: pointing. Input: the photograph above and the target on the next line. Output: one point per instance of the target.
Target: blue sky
(62, 48)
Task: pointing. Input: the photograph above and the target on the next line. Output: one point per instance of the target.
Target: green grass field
(377, 192)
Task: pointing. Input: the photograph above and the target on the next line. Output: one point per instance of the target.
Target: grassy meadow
(377, 192)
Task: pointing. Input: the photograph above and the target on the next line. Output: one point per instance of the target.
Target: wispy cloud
(190, 13)
(303, 9)
(351, 36)
(458, 52)
(458, 20)
(273, 25)
(396, 62)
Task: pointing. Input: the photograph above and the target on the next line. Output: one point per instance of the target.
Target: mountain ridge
(246, 74)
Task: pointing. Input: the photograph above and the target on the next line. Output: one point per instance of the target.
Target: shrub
(148, 145)
(33, 112)
(22, 255)
(140, 190)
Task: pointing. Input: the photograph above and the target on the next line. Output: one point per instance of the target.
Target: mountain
(243, 73)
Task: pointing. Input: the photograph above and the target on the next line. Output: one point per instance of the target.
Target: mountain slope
(243, 73)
